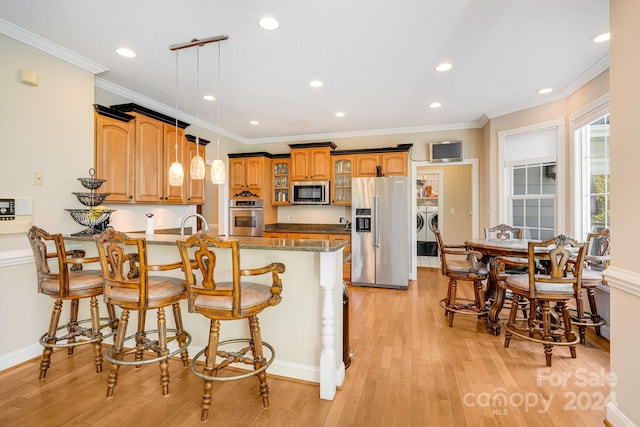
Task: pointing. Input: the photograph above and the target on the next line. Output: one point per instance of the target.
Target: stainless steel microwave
(310, 192)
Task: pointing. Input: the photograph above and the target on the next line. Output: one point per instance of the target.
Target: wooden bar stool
(459, 263)
(128, 285)
(559, 284)
(68, 281)
(230, 299)
(596, 261)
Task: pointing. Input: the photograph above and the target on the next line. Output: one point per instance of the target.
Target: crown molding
(370, 132)
(49, 47)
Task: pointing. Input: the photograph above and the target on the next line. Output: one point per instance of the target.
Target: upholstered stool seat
(231, 298)
(128, 285)
(67, 281)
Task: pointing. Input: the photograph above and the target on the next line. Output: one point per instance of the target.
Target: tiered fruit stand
(96, 217)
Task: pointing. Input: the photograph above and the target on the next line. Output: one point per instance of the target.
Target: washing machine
(427, 216)
(421, 224)
(432, 221)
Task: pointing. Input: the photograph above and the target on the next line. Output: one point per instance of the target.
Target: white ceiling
(375, 57)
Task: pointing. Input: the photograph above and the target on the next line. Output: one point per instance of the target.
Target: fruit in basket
(95, 212)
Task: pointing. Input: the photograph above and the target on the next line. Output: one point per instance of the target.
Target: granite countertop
(304, 245)
(308, 228)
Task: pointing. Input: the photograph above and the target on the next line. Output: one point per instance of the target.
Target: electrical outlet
(341, 220)
(287, 218)
(453, 211)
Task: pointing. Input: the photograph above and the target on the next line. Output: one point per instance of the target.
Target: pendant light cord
(219, 99)
(197, 98)
(177, 70)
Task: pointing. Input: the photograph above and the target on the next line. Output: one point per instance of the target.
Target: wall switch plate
(38, 179)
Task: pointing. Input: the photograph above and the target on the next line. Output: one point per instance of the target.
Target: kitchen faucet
(186, 217)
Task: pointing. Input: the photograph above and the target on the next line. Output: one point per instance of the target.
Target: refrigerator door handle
(376, 228)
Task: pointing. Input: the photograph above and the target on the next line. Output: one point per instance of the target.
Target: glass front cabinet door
(341, 182)
(280, 181)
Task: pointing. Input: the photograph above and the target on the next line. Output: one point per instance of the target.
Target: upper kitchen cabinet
(249, 175)
(195, 188)
(311, 161)
(115, 153)
(149, 152)
(280, 180)
(341, 173)
(383, 162)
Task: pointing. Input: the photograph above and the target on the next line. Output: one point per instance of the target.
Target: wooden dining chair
(217, 291)
(130, 284)
(459, 263)
(559, 284)
(596, 262)
(503, 231)
(67, 280)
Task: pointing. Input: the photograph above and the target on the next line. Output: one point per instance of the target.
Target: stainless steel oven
(246, 218)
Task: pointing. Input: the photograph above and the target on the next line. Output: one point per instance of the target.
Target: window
(595, 201)
(533, 199)
(531, 189)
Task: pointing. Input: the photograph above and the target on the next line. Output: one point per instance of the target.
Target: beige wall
(625, 174)
(557, 110)
(48, 128)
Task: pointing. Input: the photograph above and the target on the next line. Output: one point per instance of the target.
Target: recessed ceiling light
(269, 23)
(254, 122)
(600, 38)
(545, 90)
(126, 52)
(340, 114)
(445, 66)
(316, 83)
(435, 105)
(208, 97)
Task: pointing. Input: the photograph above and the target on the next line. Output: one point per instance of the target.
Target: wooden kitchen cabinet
(280, 182)
(391, 164)
(114, 155)
(341, 173)
(155, 151)
(248, 176)
(311, 161)
(134, 149)
(346, 266)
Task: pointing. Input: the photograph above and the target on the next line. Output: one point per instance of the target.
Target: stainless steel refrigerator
(380, 232)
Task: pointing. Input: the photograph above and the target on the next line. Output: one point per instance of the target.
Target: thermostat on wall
(15, 215)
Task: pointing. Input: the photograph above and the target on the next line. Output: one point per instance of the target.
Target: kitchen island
(305, 329)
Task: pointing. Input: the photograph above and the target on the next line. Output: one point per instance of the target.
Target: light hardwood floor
(409, 369)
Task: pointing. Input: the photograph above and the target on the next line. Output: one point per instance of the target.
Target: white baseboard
(19, 356)
(617, 418)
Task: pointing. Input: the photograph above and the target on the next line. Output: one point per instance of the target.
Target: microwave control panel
(7, 209)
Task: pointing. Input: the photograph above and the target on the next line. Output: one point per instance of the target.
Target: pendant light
(197, 163)
(218, 172)
(176, 172)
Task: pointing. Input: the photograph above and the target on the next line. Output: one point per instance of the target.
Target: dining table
(491, 249)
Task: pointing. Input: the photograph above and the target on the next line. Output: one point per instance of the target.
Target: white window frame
(582, 117)
(504, 208)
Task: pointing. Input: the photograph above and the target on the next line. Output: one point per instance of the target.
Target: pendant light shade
(176, 174)
(197, 168)
(218, 172)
